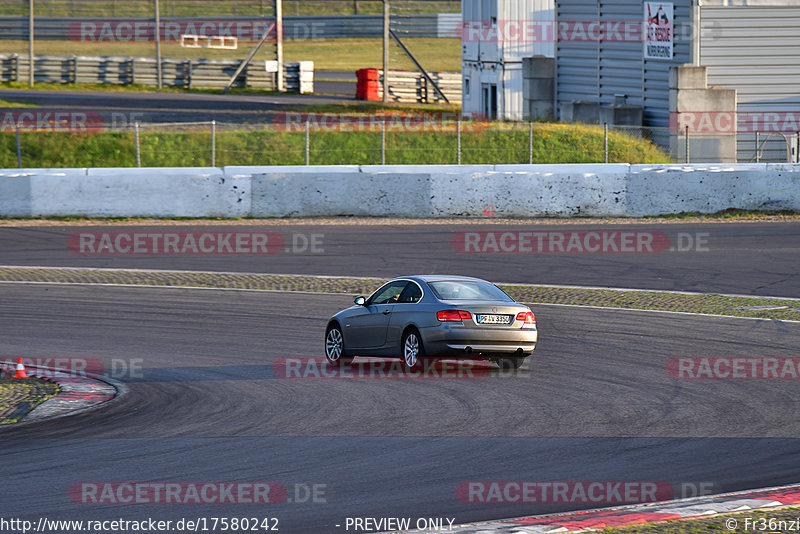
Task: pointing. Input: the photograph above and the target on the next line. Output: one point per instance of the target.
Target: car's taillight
(453, 315)
(526, 317)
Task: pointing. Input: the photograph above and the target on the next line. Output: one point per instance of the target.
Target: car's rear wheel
(508, 363)
(334, 347)
(413, 351)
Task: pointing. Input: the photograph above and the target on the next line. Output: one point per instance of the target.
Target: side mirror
(360, 300)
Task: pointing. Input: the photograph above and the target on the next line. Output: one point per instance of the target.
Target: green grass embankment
(499, 143)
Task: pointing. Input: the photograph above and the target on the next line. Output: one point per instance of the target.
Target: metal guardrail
(295, 27)
(188, 73)
(410, 86)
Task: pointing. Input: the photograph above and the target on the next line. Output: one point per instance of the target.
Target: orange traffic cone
(20, 370)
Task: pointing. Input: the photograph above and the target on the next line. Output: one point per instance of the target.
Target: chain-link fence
(336, 139)
(318, 139)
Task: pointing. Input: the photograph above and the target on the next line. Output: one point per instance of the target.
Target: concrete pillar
(538, 87)
(709, 112)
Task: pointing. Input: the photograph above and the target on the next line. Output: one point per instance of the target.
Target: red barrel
(368, 84)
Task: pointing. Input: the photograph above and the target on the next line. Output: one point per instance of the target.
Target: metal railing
(294, 27)
(773, 146)
(407, 86)
(182, 8)
(186, 73)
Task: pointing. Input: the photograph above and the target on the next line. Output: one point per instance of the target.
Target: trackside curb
(620, 516)
(78, 393)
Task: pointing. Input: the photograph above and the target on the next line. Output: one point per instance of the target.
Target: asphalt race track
(597, 405)
(208, 402)
(732, 258)
(114, 108)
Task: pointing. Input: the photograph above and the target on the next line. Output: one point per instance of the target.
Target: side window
(412, 293)
(389, 293)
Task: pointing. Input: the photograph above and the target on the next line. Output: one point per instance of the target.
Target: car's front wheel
(334, 347)
(413, 351)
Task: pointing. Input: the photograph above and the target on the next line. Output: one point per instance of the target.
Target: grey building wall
(754, 47)
(598, 70)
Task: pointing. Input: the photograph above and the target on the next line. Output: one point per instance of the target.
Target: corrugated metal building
(595, 70)
(752, 46)
(496, 35)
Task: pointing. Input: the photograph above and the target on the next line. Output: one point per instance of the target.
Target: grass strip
(498, 143)
(708, 304)
(19, 397)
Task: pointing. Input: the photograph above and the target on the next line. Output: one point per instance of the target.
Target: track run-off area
(211, 409)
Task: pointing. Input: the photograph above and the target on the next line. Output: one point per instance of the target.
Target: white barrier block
(657, 190)
(240, 171)
(340, 193)
(426, 169)
(16, 198)
(141, 192)
(551, 191)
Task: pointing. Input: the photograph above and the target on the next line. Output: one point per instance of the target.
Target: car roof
(442, 278)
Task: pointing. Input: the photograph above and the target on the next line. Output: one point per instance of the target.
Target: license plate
(494, 319)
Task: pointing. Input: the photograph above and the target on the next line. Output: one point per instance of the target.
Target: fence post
(757, 156)
(138, 149)
(797, 152)
(605, 142)
(458, 142)
(308, 144)
(19, 149)
(530, 143)
(189, 73)
(74, 69)
(31, 59)
(686, 155)
(383, 141)
(159, 74)
(213, 143)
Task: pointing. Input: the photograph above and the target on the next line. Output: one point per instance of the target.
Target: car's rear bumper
(471, 342)
(482, 347)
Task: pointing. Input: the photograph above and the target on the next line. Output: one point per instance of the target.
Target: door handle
(387, 312)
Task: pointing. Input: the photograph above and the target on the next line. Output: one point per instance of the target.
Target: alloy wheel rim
(411, 350)
(333, 345)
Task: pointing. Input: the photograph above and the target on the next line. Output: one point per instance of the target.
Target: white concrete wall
(153, 192)
(589, 190)
(707, 188)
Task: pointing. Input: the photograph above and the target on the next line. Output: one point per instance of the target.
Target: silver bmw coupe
(433, 317)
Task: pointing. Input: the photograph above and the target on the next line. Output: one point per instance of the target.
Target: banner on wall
(659, 34)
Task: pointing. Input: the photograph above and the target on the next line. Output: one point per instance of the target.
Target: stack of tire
(368, 85)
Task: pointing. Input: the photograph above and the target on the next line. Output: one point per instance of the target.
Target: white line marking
(331, 293)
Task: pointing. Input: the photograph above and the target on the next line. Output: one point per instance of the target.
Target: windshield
(452, 290)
